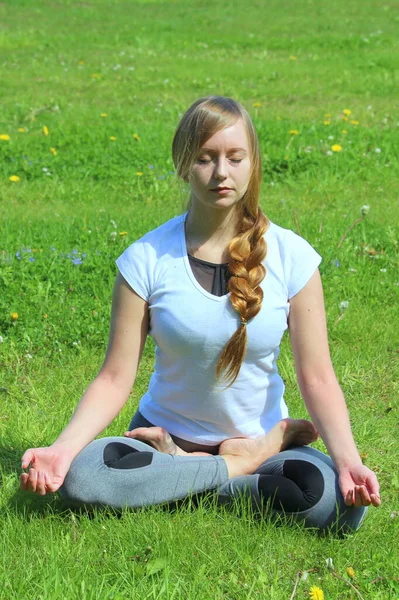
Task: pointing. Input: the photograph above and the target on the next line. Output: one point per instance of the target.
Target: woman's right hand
(48, 468)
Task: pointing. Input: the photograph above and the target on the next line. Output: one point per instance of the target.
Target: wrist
(347, 463)
(67, 446)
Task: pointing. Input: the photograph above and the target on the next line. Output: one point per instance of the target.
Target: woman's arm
(109, 391)
(103, 399)
(322, 394)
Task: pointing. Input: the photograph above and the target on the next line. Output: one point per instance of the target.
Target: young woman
(216, 288)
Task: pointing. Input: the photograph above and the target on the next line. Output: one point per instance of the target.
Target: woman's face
(223, 161)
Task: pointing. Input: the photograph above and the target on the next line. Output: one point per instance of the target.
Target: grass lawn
(91, 95)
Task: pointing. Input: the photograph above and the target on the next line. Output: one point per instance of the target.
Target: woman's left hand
(359, 486)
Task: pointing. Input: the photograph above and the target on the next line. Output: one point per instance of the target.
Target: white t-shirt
(190, 327)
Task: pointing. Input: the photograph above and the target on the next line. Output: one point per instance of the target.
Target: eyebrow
(231, 150)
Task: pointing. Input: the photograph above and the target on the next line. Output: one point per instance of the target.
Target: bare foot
(161, 440)
(285, 433)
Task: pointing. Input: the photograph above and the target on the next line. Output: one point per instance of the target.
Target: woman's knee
(91, 475)
(329, 512)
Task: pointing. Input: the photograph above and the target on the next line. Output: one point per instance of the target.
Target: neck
(205, 224)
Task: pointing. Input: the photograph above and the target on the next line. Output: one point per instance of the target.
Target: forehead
(232, 137)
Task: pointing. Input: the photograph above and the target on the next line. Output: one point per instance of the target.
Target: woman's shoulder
(297, 257)
(286, 239)
(162, 233)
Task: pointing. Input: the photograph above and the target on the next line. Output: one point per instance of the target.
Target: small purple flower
(84, 255)
(336, 262)
(52, 249)
(31, 259)
(18, 255)
(150, 166)
(77, 261)
(74, 251)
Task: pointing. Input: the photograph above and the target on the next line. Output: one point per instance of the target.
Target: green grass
(300, 61)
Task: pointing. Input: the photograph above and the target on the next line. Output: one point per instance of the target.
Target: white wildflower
(329, 153)
(113, 235)
(330, 564)
(1, 339)
(113, 224)
(378, 150)
(343, 305)
(365, 209)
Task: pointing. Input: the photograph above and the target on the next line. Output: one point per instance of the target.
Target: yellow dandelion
(328, 115)
(354, 122)
(344, 118)
(139, 173)
(344, 131)
(45, 130)
(316, 593)
(45, 315)
(122, 233)
(351, 572)
(5, 137)
(14, 178)
(96, 76)
(326, 122)
(294, 132)
(292, 57)
(81, 62)
(21, 129)
(14, 316)
(113, 138)
(136, 136)
(34, 250)
(53, 151)
(257, 104)
(336, 148)
(347, 112)
(104, 115)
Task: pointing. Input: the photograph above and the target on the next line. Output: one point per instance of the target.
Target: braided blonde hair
(205, 117)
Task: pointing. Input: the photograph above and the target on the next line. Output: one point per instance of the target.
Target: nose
(221, 169)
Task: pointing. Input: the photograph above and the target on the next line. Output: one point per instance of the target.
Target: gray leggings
(300, 483)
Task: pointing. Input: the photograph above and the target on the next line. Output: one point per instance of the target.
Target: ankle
(238, 465)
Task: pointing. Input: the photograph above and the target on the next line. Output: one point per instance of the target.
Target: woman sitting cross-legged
(216, 288)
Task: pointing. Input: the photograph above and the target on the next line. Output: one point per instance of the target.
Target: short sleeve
(134, 265)
(301, 261)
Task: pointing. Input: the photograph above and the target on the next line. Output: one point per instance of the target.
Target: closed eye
(204, 162)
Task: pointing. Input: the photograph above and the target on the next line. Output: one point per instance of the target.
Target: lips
(219, 189)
